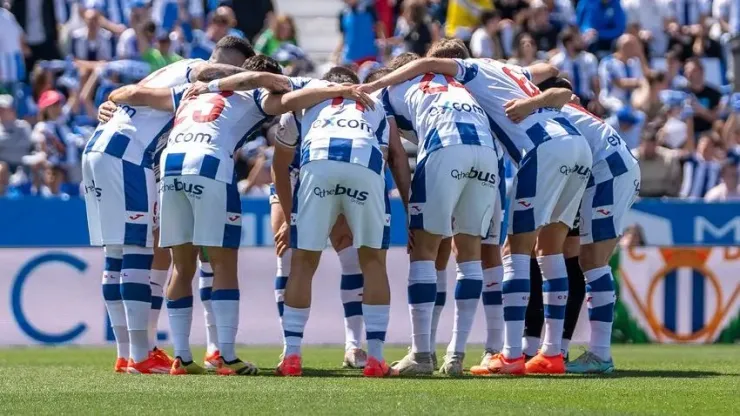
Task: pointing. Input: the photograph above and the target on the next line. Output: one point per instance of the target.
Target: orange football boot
(290, 366)
(501, 365)
(544, 364)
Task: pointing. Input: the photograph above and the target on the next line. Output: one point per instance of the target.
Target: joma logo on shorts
(360, 196)
(181, 186)
(487, 177)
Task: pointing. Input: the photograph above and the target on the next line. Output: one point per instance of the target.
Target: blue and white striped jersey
(342, 130)
(208, 130)
(133, 132)
(98, 49)
(611, 69)
(611, 157)
(440, 111)
(581, 71)
(117, 11)
(492, 84)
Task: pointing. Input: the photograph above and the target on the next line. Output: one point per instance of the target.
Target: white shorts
(494, 236)
(605, 206)
(120, 198)
(199, 210)
(327, 188)
(454, 190)
(549, 184)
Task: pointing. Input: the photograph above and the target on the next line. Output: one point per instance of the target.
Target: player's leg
(158, 281)
(351, 290)
(443, 257)
(576, 288)
(315, 210)
(205, 289)
(277, 219)
(368, 219)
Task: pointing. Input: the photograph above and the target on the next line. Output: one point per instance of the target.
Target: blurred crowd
(659, 71)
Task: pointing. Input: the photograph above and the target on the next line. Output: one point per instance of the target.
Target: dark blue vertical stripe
(669, 307)
(697, 304)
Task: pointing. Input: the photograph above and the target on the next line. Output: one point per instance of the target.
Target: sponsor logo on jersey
(355, 195)
(342, 123)
(190, 138)
(450, 106)
(128, 110)
(583, 171)
(488, 178)
(182, 186)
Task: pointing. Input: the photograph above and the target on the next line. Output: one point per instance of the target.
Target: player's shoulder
(297, 83)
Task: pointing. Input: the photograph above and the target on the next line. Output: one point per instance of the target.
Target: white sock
(225, 303)
(439, 305)
(530, 345)
(554, 298)
(137, 298)
(351, 287)
(376, 323)
(281, 280)
(112, 297)
(205, 285)
(422, 291)
(565, 346)
(157, 282)
(467, 295)
(493, 307)
(515, 291)
(180, 312)
(600, 298)
(294, 322)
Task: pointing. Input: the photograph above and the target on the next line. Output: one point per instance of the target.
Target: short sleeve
(385, 99)
(466, 71)
(297, 83)
(287, 132)
(177, 93)
(382, 133)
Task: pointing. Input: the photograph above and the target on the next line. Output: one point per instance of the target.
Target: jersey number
(526, 85)
(339, 101)
(428, 88)
(217, 106)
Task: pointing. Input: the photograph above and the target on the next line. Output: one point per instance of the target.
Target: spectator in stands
(281, 30)
(413, 29)
(647, 97)
(628, 123)
(621, 73)
(15, 141)
(39, 21)
(252, 16)
(463, 16)
(134, 42)
(544, 33)
(514, 10)
(648, 16)
(161, 54)
(12, 50)
(54, 138)
(486, 40)
(677, 130)
(526, 50)
(165, 13)
(728, 189)
(686, 18)
(200, 43)
(700, 169)
(601, 22)
(359, 28)
(706, 99)
(674, 66)
(91, 43)
(579, 66)
(660, 168)
(560, 12)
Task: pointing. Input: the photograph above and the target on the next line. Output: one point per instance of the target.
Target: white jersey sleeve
(287, 133)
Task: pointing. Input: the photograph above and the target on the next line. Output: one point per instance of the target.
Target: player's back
(493, 84)
(133, 131)
(343, 130)
(208, 130)
(440, 110)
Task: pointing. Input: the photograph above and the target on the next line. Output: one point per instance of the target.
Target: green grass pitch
(650, 380)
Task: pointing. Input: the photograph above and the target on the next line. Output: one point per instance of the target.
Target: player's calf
(180, 301)
(375, 308)
(136, 295)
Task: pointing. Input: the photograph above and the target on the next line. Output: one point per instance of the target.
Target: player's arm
(541, 72)
(412, 70)
(398, 162)
(518, 109)
(209, 71)
(244, 81)
(135, 95)
(309, 97)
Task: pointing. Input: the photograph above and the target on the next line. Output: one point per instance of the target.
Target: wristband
(213, 86)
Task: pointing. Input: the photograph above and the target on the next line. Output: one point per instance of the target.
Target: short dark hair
(341, 75)
(402, 60)
(449, 48)
(568, 35)
(263, 63)
(696, 61)
(236, 44)
(488, 15)
(377, 73)
(655, 77)
(555, 82)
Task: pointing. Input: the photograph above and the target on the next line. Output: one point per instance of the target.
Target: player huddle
(335, 141)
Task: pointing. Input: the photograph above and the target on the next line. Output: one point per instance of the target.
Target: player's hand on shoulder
(517, 110)
(106, 111)
(196, 89)
(276, 84)
(368, 88)
(356, 94)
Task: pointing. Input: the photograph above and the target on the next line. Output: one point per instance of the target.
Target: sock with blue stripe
(157, 282)
(351, 286)
(281, 280)
(376, 324)
(439, 305)
(554, 297)
(493, 307)
(205, 286)
(137, 298)
(515, 294)
(422, 291)
(225, 303)
(113, 300)
(600, 297)
(294, 323)
(180, 312)
(467, 295)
